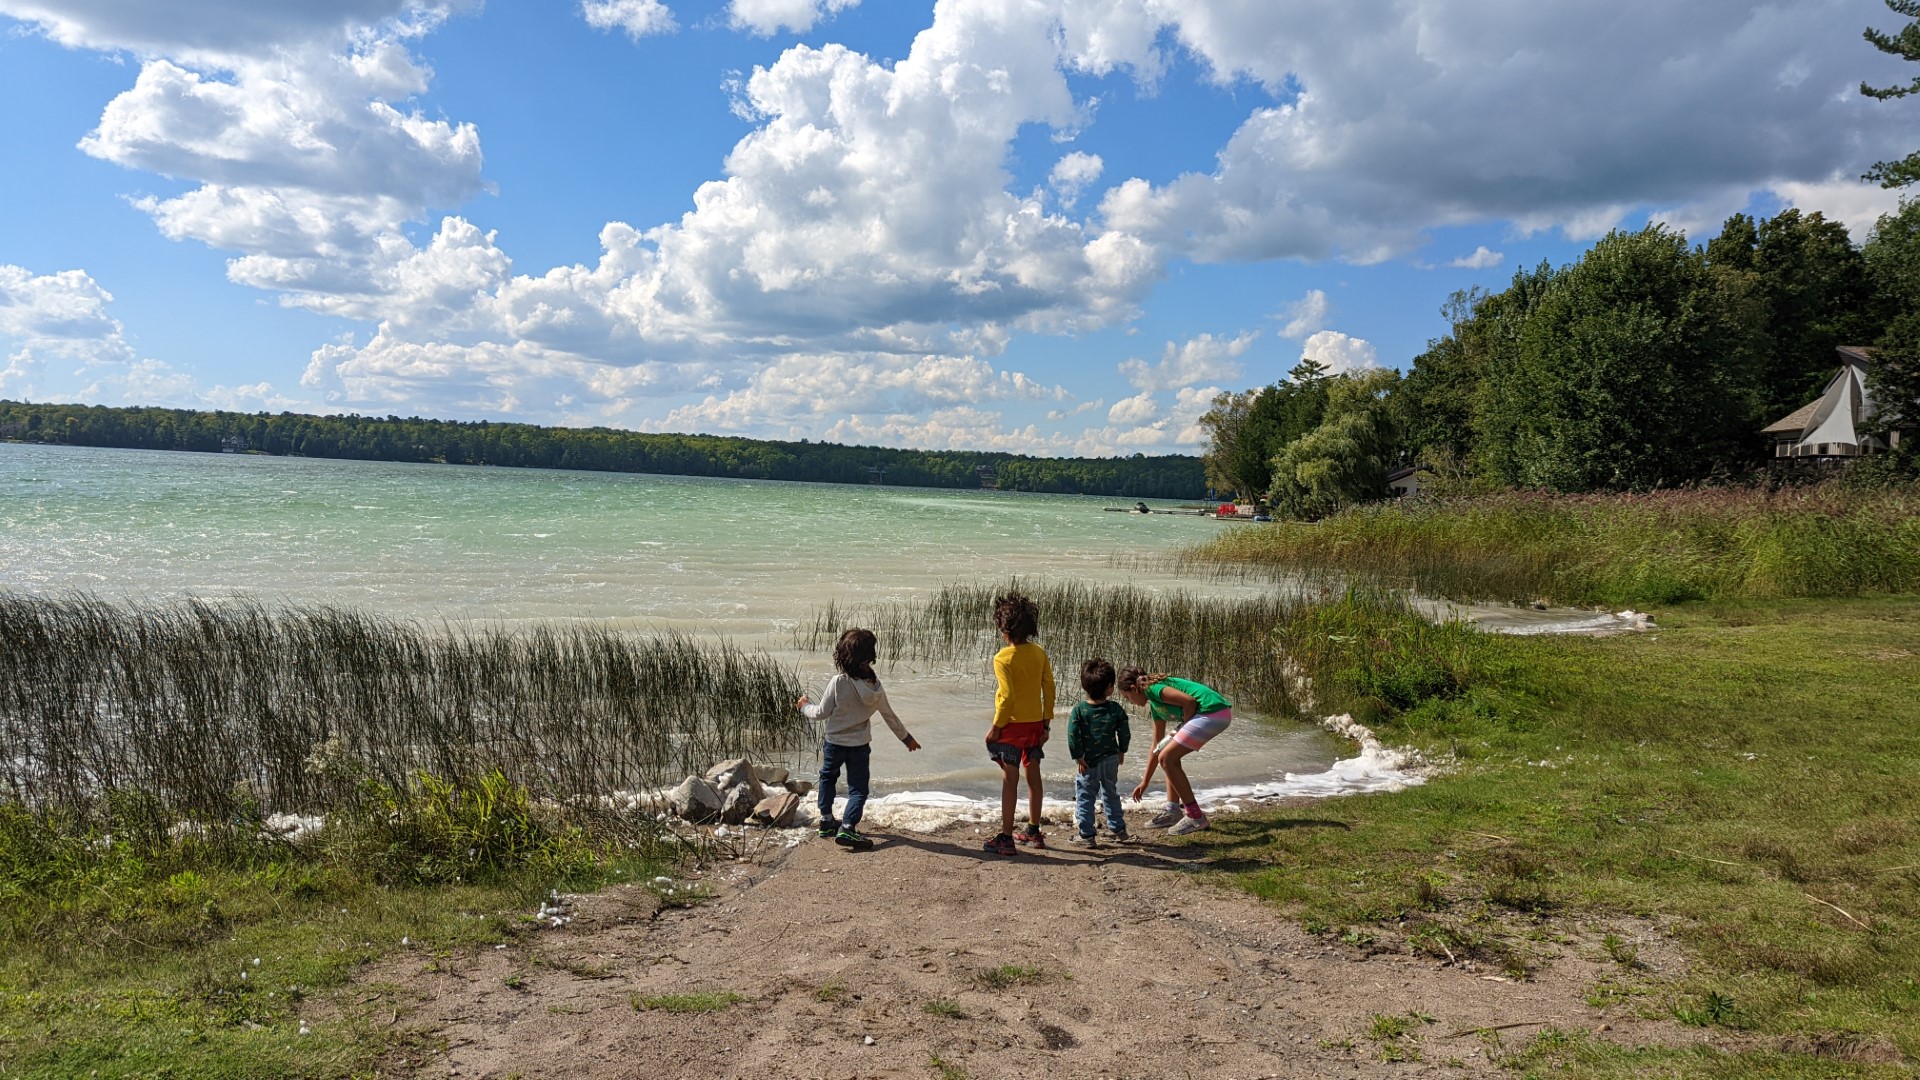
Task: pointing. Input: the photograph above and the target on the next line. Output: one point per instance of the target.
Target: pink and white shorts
(1194, 733)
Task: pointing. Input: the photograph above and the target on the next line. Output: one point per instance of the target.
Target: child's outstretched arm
(893, 722)
(827, 702)
(1153, 759)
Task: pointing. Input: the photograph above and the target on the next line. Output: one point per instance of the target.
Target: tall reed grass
(218, 713)
(1225, 642)
(1658, 548)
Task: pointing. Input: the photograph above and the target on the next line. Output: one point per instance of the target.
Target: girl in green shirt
(1196, 713)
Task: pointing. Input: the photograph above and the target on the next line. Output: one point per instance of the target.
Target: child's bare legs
(1033, 796)
(1009, 794)
(1178, 788)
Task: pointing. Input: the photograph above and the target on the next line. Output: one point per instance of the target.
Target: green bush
(436, 830)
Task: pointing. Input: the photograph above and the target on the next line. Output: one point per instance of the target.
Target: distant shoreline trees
(414, 439)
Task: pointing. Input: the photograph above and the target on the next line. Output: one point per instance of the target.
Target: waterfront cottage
(1835, 424)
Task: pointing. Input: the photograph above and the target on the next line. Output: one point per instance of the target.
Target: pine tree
(1904, 44)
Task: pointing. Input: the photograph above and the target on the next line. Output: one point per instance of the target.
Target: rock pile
(736, 791)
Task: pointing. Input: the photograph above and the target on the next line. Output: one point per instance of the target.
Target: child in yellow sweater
(1022, 716)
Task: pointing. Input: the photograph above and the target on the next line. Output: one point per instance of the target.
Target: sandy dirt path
(893, 963)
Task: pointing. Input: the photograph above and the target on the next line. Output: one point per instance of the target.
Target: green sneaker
(851, 838)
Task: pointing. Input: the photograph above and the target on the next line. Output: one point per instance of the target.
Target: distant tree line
(414, 439)
(1646, 363)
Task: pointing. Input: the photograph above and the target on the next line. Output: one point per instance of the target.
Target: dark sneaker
(848, 837)
(1028, 834)
(1084, 841)
(1001, 845)
(1119, 836)
(828, 829)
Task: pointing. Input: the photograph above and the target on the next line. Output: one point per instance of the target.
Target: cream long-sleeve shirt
(848, 706)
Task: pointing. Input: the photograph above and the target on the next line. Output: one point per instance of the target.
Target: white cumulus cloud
(1200, 359)
(1339, 352)
(638, 18)
(1306, 315)
(768, 17)
(1072, 174)
(1481, 259)
(59, 342)
(1134, 411)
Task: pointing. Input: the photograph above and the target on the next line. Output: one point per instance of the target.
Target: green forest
(413, 439)
(1647, 363)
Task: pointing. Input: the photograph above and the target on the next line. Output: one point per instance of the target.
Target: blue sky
(1051, 226)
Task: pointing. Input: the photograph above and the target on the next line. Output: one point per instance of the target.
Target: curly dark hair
(854, 653)
(1096, 677)
(1135, 677)
(1017, 617)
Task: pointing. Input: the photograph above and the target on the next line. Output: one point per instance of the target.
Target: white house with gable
(1833, 425)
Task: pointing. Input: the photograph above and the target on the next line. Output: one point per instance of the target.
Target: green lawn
(1745, 775)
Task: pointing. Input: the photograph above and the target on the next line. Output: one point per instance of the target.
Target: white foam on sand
(1530, 621)
(1375, 768)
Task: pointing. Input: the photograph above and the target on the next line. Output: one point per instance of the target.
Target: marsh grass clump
(1663, 547)
(1369, 653)
(1224, 641)
(213, 717)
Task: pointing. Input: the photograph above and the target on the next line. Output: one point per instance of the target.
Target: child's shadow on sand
(1139, 853)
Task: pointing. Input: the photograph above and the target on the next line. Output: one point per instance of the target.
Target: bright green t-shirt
(1206, 699)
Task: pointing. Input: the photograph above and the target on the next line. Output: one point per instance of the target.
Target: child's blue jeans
(1101, 779)
(856, 759)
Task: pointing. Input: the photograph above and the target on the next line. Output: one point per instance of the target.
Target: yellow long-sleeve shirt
(1023, 692)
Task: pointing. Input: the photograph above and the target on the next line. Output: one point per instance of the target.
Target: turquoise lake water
(746, 559)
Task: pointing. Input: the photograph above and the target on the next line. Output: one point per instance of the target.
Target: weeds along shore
(217, 713)
(1825, 540)
(1285, 652)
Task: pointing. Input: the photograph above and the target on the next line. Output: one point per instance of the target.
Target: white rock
(694, 800)
(732, 773)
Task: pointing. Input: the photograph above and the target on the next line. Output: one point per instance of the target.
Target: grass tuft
(703, 1002)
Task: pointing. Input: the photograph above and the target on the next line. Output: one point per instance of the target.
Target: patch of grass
(147, 956)
(1393, 1036)
(946, 1070)
(1620, 952)
(949, 1010)
(701, 1002)
(1742, 777)
(833, 991)
(1662, 548)
(1008, 976)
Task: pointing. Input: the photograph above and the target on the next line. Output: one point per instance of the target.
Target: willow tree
(1344, 460)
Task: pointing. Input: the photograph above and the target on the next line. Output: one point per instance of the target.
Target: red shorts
(1019, 744)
